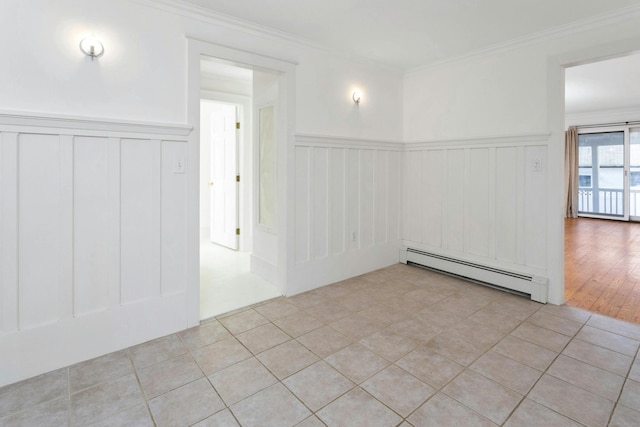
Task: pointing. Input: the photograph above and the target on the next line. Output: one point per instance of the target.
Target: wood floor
(602, 267)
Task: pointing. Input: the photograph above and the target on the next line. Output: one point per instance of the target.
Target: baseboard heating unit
(534, 286)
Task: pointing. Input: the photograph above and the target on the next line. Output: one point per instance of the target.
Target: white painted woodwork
(479, 201)
(39, 234)
(174, 217)
(140, 220)
(92, 240)
(93, 225)
(346, 208)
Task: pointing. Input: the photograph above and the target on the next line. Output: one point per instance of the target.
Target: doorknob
(210, 184)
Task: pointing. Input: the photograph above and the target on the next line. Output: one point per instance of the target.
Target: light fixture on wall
(356, 97)
(92, 47)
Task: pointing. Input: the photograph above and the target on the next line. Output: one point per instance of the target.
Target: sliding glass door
(601, 180)
(609, 173)
(634, 174)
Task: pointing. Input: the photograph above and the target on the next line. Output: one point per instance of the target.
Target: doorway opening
(227, 190)
(601, 100)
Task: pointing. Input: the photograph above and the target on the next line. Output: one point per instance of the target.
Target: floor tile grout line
(68, 397)
(354, 341)
(144, 396)
(468, 367)
(545, 372)
(624, 384)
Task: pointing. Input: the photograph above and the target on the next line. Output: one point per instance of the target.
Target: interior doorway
(599, 268)
(227, 191)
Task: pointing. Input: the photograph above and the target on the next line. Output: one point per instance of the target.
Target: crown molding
(209, 16)
(199, 13)
(610, 18)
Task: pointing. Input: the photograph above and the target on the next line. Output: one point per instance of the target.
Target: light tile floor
(399, 346)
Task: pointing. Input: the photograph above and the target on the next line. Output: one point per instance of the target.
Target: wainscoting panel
(481, 201)
(320, 202)
(347, 208)
(454, 200)
(39, 233)
(303, 210)
(507, 197)
(337, 218)
(174, 217)
(92, 239)
(140, 216)
(93, 225)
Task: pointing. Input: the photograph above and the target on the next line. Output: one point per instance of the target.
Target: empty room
(337, 213)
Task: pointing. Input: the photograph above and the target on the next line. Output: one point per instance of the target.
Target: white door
(224, 179)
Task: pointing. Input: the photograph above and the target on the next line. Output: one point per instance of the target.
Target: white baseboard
(317, 273)
(32, 352)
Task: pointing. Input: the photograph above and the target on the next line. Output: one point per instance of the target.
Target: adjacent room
(227, 187)
(601, 231)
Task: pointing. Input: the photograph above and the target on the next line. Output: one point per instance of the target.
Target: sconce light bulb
(92, 47)
(356, 97)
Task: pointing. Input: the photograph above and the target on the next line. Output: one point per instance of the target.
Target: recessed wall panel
(367, 190)
(173, 218)
(38, 229)
(412, 177)
(92, 224)
(506, 207)
(353, 196)
(455, 206)
(140, 227)
(393, 196)
(380, 209)
(337, 186)
(431, 196)
(477, 198)
(302, 235)
(535, 209)
(319, 205)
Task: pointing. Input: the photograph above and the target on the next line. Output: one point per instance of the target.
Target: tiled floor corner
(401, 346)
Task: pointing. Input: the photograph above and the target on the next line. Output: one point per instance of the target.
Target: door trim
(284, 159)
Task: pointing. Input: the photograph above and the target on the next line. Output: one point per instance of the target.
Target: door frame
(556, 65)
(284, 161)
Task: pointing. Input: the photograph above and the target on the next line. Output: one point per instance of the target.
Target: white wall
(142, 74)
(482, 201)
(483, 100)
(347, 208)
(110, 266)
(92, 231)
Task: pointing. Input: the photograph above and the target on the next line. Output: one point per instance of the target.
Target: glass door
(602, 181)
(634, 174)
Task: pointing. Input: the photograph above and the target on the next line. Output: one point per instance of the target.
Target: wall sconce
(92, 47)
(356, 97)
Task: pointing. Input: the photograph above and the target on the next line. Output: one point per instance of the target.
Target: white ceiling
(406, 34)
(607, 85)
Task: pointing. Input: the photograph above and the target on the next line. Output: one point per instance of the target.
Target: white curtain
(571, 171)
